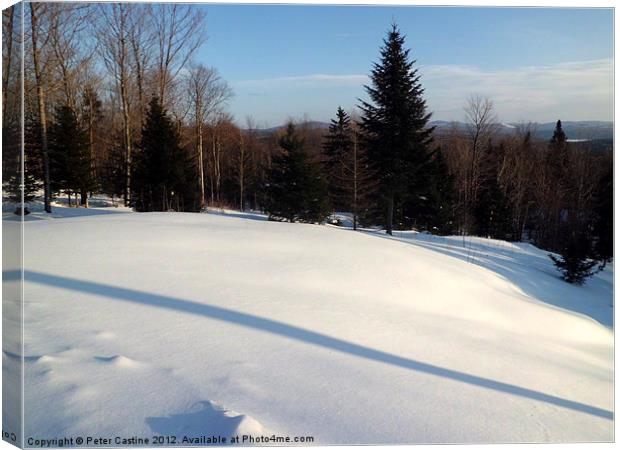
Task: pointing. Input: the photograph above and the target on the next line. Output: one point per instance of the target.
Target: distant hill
(577, 130)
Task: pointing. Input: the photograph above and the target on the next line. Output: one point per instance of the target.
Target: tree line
(115, 104)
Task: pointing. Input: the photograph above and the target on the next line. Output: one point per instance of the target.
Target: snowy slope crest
(168, 323)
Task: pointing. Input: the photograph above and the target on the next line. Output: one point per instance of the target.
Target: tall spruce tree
(295, 190)
(160, 174)
(70, 163)
(395, 125)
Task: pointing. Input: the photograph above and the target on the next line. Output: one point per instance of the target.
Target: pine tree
(574, 262)
(395, 125)
(295, 189)
(160, 176)
(70, 164)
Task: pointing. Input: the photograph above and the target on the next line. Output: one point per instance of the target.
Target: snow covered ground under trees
(142, 324)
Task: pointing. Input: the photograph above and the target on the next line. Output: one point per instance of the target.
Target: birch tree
(207, 93)
(114, 35)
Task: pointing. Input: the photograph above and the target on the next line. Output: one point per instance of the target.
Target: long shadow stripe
(299, 334)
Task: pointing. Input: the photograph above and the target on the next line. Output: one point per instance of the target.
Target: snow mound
(205, 418)
(118, 361)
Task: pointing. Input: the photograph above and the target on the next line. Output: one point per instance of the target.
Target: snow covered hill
(223, 324)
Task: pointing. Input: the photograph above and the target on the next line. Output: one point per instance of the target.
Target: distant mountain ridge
(575, 130)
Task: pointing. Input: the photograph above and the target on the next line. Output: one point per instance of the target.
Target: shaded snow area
(142, 324)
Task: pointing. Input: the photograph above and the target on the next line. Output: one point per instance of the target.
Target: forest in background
(115, 103)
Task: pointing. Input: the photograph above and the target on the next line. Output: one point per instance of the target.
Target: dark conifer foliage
(350, 180)
(492, 211)
(91, 117)
(395, 125)
(70, 162)
(162, 168)
(574, 261)
(295, 189)
(20, 171)
(603, 223)
(437, 205)
(337, 150)
(111, 175)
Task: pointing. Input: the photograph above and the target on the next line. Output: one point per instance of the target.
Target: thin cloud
(576, 90)
(581, 90)
(318, 79)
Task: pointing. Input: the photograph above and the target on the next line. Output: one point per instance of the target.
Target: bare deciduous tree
(481, 125)
(179, 31)
(38, 11)
(114, 37)
(207, 93)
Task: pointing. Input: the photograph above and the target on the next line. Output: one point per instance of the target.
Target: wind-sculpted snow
(220, 323)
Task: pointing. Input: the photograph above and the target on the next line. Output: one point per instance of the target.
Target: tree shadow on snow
(297, 334)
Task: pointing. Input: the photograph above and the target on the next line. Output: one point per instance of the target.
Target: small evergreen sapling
(573, 261)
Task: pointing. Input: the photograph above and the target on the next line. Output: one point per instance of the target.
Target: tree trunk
(241, 171)
(127, 139)
(10, 12)
(390, 215)
(355, 180)
(203, 200)
(91, 136)
(42, 114)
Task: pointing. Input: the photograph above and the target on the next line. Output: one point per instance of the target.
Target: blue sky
(301, 60)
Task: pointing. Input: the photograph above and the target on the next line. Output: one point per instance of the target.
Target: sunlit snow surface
(142, 324)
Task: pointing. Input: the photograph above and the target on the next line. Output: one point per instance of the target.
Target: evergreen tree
(70, 164)
(112, 176)
(160, 177)
(559, 137)
(20, 177)
(295, 190)
(573, 261)
(557, 167)
(492, 211)
(603, 226)
(395, 125)
(337, 150)
(91, 115)
(436, 211)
